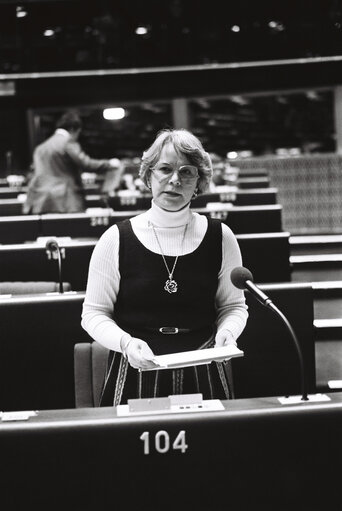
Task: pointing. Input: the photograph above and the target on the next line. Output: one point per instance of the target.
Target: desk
(248, 219)
(37, 350)
(11, 192)
(254, 454)
(16, 229)
(10, 207)
(29, 262)
(246, 197)
(77, 225)
(253, 182)
(241, 219)
(267, 255)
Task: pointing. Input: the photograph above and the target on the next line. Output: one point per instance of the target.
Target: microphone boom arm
(242, 278)
(275, 309)
(52, 248)
(61, 290)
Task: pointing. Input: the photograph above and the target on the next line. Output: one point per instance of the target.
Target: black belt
(170, 330)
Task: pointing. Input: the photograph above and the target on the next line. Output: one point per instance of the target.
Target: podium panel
(270, 366)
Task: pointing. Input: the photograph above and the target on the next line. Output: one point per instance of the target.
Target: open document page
(196, 357)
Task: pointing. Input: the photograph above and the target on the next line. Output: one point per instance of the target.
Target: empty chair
(90, 361)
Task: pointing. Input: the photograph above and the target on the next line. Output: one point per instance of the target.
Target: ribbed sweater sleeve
(102, 290)
(230, 302)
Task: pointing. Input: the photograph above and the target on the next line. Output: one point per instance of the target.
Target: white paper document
(196, 357)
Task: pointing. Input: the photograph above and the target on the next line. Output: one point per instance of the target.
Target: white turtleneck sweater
(104, 272)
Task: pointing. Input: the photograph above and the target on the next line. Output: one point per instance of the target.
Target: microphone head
(51, 244)
(239, 276)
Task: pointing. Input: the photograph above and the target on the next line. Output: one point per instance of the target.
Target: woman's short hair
(184, 143)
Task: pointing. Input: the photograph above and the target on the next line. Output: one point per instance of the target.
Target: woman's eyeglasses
(186, 173)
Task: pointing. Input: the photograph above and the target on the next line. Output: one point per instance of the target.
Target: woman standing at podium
(160, 282)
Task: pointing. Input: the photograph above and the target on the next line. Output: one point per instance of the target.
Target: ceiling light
(235, 28)
(114, 114)
(312, 95)
(49, 32)
(21, 12)
(141, 30)
(232, 155)
(276, 26)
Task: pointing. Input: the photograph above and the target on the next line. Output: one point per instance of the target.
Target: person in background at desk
(160, 283)
(56, 184)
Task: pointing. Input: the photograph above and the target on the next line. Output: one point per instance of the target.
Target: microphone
(52, 245)
(53, 251)
(242, 278)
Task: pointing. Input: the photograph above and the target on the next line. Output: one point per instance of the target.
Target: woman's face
(170, 190)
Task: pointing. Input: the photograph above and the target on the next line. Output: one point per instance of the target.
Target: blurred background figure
(58, 163)
(218, 170)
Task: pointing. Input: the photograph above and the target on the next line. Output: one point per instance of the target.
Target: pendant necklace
(171, 285)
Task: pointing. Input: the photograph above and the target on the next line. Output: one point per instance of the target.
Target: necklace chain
(170, 285)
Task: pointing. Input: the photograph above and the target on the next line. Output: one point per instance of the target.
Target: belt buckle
(168, 330)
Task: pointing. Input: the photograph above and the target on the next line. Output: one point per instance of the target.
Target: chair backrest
(90, 362)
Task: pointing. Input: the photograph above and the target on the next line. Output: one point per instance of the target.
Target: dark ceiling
(103, 34)
(56, 54)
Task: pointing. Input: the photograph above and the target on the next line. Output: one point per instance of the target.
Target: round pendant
(171, 286)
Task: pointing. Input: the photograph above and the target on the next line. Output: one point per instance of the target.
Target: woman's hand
(224, 338)
(139, 354)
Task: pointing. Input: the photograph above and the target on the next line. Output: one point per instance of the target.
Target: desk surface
(238, 409)
(255, 454)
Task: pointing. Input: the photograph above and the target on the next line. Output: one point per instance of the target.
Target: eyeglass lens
(184, 172)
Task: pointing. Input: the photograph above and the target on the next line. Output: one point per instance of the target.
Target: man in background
(58, 163)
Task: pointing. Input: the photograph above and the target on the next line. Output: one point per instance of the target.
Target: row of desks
(92, 224)
(267, 255)
(246, 181)
(10, 204)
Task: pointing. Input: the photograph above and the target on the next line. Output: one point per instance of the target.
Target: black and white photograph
(171, 255)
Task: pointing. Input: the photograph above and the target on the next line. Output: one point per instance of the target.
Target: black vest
(143, 306)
